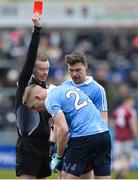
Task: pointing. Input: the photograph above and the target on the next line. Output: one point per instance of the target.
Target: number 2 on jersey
(77, 104)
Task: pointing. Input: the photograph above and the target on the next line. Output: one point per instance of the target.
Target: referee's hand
(37, 19)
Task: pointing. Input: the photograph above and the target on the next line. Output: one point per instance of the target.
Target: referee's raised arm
(32, 52)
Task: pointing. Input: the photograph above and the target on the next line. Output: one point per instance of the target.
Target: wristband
(56, 155)
(56, 161)
(36, 29)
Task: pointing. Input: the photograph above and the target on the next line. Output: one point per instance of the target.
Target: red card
(38, 6)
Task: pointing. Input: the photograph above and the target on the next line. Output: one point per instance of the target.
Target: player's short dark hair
(76, 57)
(41, 57)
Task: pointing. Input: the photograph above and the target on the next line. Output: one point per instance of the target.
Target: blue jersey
(82, 116)
(95, 92)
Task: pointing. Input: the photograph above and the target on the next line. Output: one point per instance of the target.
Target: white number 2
(77, 105)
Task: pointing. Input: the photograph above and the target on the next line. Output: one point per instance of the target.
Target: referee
(32, 147)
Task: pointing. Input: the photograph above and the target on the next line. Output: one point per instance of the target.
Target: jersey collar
(90, 79)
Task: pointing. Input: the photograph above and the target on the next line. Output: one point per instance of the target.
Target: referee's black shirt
(29, 123)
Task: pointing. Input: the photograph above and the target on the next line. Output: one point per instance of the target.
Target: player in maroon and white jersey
(124, 120)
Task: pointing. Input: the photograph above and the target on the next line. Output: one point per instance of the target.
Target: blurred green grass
(10, 174)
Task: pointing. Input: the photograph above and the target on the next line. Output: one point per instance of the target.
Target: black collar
(42, 84)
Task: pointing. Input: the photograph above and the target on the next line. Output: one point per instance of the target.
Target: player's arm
(133, 124)
(53, 105)
(100, 101)
(105, 116)
(62, 136)
(62, 133)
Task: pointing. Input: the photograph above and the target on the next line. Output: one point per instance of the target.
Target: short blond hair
(29, 90)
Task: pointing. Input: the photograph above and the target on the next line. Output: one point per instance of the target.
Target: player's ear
(38, 96)
(86, 66)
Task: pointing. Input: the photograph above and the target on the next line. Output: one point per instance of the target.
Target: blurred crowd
(112, 56)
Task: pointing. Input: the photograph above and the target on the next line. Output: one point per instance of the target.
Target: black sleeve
(30, 59)
(27, 70)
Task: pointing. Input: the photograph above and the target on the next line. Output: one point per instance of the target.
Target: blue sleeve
(100, 100)
(52, 104)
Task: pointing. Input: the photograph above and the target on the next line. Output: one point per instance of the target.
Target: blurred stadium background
(106, 31)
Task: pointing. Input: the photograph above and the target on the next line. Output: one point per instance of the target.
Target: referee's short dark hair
(76, 57)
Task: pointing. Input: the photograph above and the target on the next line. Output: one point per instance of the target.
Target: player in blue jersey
(78, 120)
(77, 67)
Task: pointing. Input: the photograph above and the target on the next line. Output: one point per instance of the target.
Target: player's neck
(85, 79)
